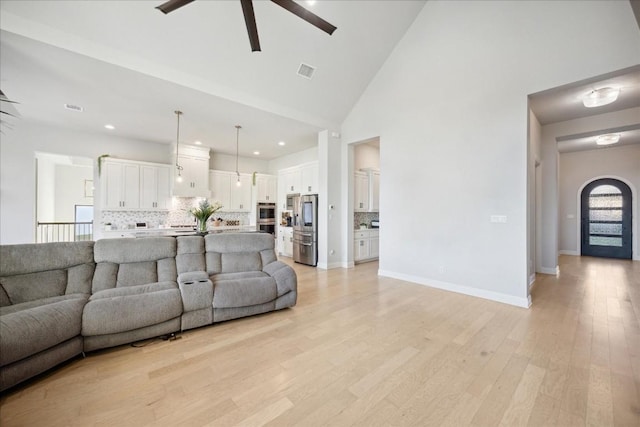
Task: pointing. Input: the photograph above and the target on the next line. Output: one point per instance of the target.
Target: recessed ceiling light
(281, 143)
(600, 97)
(311, 2)
(608, 139)
(198, 143)
(110, 127)
(257, 153)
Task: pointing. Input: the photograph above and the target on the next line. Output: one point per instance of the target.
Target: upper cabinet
(361, 192)
(309, 178)
(302, 179)
(366, 191)
(127, 184)
(195, 172)
(226, 191)
(266, 186)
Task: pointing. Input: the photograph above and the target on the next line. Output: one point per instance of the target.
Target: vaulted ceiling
(129, 65)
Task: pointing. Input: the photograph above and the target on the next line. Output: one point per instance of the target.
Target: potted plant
(363, 226)
(203, 212)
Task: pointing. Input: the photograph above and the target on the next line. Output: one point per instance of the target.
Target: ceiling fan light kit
(600, 97)
(250, 19)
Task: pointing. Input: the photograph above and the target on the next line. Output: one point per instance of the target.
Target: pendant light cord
(238, 127)
(178, 167)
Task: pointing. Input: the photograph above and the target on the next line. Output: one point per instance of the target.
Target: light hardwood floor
(369, 351)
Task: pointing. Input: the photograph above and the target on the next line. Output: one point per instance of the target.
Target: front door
(606, 219)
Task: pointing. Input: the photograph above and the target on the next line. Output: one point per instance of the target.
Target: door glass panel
(605, 216)
(605, 241)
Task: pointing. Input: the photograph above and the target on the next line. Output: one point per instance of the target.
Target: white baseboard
(553, 271)
(566, 252)
(346, 264)
(329, 266)
(474, 292)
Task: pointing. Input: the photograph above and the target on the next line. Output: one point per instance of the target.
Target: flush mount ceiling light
(238, 127)
(608, 139)
(110, 127)
(281, 143)
(178, 167)
(600, 97)
(257, 153)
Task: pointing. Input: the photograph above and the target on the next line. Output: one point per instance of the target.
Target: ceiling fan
(250, 19)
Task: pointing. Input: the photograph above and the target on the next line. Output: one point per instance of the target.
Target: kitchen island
(175, 231)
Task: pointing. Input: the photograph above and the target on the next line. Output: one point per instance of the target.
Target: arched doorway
(606, 219)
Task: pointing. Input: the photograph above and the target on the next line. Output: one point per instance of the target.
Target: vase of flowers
(203, 212)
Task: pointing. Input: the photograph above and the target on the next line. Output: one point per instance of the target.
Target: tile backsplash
(366, 217)
(178, 215)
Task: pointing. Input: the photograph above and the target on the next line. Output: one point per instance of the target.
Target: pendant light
(238, 127)
(178, 167)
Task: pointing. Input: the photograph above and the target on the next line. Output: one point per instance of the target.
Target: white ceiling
(129, 65)
(565, 103)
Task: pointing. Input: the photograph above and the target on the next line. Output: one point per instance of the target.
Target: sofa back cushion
(190, 254)
(132, 262)
(235, 252)
(30, 272)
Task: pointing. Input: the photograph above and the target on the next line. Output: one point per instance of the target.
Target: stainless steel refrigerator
(305, 229)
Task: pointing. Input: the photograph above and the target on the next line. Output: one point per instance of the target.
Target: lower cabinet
(285, 241)
(366, 245)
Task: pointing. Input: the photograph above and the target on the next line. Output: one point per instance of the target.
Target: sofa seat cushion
(123, 309)
(242, 289)
(31, 327)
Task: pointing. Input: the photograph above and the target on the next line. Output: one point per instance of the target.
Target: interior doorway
(605, 218)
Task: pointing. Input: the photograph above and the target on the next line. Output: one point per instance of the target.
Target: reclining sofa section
(60, 299)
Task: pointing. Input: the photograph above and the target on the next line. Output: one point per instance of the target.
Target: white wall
(309, 155)
(366, 156)
(535, 142)
(582, 167)
(46, 209)
(226, 162)
(450, 107)
(17, 168)
(69, 190)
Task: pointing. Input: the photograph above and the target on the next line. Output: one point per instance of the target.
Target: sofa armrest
(196, 290)
(284, 275)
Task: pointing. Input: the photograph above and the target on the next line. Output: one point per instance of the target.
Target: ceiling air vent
(306, 71)
(72, 107)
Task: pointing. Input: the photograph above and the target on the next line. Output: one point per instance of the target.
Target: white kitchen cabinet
(374, 191)
(285, 241)
(292, 180)
(120, 183)
(131, 185)
(155, 187)
(361, 192)
(366, 245)
(309, 178)
(266, 186)
(241, 195)
(220, 185)
(366, 191)
(224, 189)
(195, 172)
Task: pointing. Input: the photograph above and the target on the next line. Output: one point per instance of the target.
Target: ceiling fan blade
(172, 5)
(303, 13)
(250, 20)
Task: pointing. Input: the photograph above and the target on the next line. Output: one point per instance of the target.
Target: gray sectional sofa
(58, 300)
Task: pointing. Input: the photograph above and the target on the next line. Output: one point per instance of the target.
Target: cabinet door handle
(309, 189)
(361, 242)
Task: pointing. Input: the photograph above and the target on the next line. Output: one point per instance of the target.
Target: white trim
(347, 264)
(567, 252)
(546, 270)
(532, 279)
(329, 266)
(634, 215)
(490, 295)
